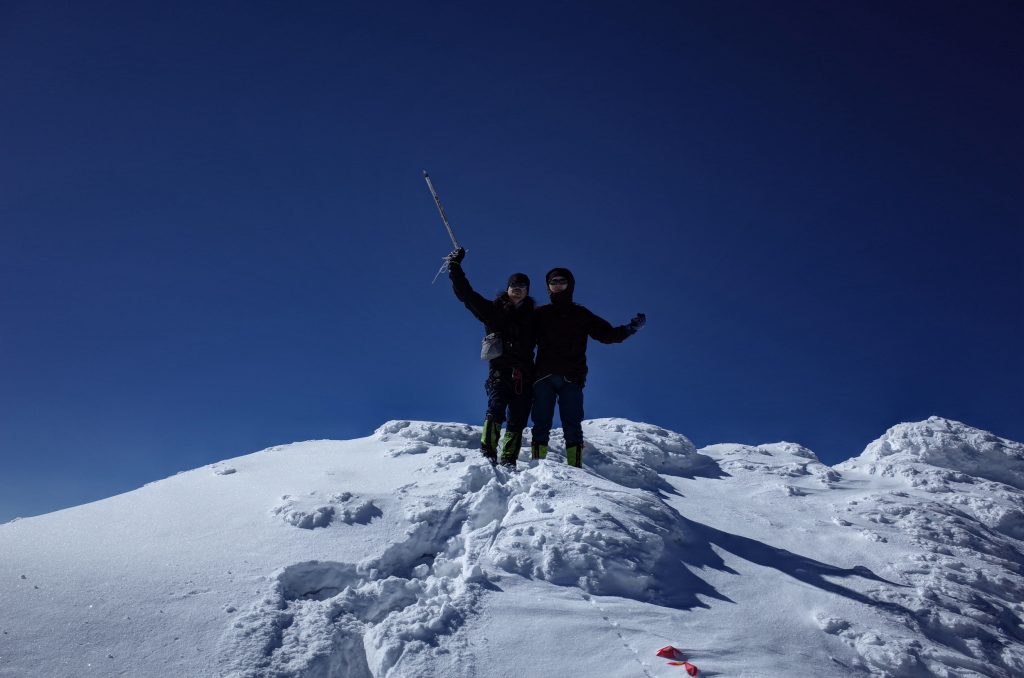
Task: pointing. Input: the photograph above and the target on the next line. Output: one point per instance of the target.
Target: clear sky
(215, 236)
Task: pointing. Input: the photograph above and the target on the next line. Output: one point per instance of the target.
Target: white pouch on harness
(490, 347)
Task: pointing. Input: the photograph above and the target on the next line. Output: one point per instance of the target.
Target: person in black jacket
(562, 331)
(508, 385)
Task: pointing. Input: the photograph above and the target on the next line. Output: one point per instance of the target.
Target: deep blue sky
(214, 234)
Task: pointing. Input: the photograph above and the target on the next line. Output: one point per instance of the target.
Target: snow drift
(404, 554)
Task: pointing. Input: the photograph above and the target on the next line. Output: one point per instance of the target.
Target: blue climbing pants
(569, 396)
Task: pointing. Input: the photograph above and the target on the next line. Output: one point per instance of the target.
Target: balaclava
(565, 296)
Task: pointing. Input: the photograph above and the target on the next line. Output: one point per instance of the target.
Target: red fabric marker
(690, 668)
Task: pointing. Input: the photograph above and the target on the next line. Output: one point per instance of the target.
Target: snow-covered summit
(405, 554)
(944, 444)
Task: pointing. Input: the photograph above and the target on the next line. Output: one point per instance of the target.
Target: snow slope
(403, 554)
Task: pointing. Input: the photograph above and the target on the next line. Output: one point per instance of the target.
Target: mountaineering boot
(510, 448)
(574, 455)
(489, 439)
(539, 451)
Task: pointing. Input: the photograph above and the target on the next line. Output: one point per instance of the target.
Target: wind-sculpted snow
(963, 589)
(782, 460)
(414, 557)
(953, 597)
(419, 433)
(378, 616)
(552, 523)
(636, 455)
(312, 510)
(960, 453)
(982, 474)
(598, 536)
(607, 531)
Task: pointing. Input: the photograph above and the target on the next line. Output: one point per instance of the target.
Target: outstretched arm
(601, 330)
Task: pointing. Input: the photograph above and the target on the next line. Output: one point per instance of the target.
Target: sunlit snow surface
(404, 554)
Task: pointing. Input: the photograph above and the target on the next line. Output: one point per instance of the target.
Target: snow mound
(635, 455)
(573, 529)
(961, 452)
(419, 435)
(788, 461)
(313, 510)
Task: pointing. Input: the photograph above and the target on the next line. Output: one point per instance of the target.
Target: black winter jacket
(515, 324)
(562, 331)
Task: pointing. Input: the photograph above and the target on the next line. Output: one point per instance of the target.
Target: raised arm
(477, 304)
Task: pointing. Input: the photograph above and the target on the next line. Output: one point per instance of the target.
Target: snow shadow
(801, 568)
(704, 467)
(668, 584)
(673, 578)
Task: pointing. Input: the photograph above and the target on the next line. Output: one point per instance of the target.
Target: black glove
(456, 257)
(638, 321)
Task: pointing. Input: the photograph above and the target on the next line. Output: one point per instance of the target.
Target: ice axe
(444, 218)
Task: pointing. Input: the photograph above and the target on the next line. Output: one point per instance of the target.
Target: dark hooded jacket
(562, 331)
(514, 323)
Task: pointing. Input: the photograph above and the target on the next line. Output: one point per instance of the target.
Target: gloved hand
(456, 256)
(638, 321)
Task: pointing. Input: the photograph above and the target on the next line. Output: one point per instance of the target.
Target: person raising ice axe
(508, 347)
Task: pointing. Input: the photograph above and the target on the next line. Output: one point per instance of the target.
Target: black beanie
(519, 279)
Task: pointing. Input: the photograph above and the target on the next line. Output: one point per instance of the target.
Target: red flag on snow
(674, 653)
(690, 668)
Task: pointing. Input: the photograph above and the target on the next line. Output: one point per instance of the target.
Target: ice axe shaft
(444, 217)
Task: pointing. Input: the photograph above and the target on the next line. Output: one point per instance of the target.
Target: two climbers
(560, 331)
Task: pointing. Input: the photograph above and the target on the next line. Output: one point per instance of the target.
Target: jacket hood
(565, 296)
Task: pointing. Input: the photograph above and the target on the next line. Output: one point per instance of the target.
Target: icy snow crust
(404, 554)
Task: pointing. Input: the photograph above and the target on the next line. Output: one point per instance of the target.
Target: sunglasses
(518, 286)
(558, 281)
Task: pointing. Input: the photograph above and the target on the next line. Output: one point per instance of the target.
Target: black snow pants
(512, 391)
